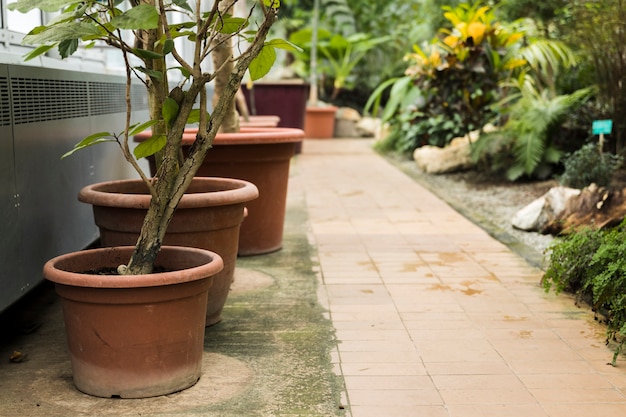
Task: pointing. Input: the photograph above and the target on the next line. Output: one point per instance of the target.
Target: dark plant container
(286, 100)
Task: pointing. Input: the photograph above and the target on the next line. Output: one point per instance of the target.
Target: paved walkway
(434, 317)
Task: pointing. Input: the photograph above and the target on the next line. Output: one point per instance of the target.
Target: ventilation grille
(37, 100)
(5, 102)
(139, 97)
(107, 98)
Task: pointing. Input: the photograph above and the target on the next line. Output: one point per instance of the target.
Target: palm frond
(532, 118)
(548, 55)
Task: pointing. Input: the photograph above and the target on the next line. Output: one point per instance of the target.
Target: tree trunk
(173, 179)
(222, 58)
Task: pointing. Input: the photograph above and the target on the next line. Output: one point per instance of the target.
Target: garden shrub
(477, 71)
(570, 257)
(457, 76)
(526, 138)
(588, 165)
(590, 263)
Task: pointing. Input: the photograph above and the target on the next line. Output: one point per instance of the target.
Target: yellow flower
(477, 31)
(451, 41)
(434, 60)
(514, 38)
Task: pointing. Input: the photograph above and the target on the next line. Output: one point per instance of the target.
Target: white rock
(456, 156)
(543, 210)
(436, 160)
(346, 120)
(528, 217)
(368, 127)
(348, 113)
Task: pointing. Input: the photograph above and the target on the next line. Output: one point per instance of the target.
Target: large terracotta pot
(320, 122)
(261, 156)
(134, 336)
(208, 216)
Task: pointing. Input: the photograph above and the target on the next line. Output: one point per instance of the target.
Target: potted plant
(209, 216)
(261, 156)
(334, 56)
(319, 119)
(257, 154)
(282, 93)
(148, 40)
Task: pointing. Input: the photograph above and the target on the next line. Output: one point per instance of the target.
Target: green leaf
(138, 128)
(145, 54)
(283, 44)
(24, 6)
(151, 73)
(143, 16)
(150, 146)
(184, 71)
(552, 155)
(229, 25)
(515, 172)
(176, 27)
(194, 116)
(274, 4)
(67, 16)
(183, 4)
(168, 46)
(373, 102)
(169, 110)
(304, 36)
(263, 62)
(40, 50)
(399, 90)
(60, 33)
(68, 47)
(91, 140)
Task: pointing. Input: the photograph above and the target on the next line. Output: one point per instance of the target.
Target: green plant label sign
(600, 127)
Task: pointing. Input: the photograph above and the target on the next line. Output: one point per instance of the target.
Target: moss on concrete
(280, 332)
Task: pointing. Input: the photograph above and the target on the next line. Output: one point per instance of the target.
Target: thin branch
(124, 145)
(168, 35)
(227, 38)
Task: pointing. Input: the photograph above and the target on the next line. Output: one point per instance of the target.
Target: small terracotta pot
(134, 336)
(319, 122)
(209, 216)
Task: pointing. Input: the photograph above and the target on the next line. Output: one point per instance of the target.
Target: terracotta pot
(320, 122)
(209, 216)
(261, 156)
(134, 336)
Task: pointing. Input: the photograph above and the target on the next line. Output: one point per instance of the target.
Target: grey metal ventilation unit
(43, 113)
